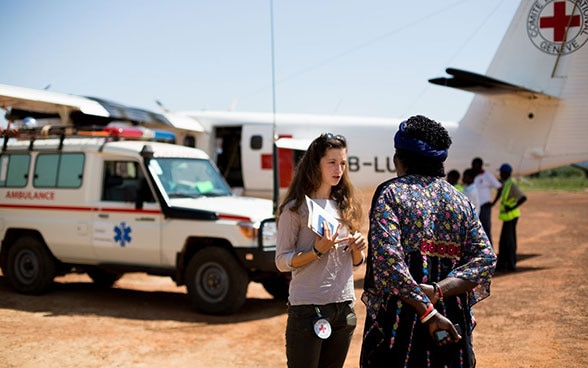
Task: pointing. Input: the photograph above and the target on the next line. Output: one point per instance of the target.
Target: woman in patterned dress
(429, 260)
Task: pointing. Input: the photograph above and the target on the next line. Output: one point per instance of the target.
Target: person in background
(485, 182)
(470, 189)
(511, 197)
(429, 260)
(453, 179)
(321, 313)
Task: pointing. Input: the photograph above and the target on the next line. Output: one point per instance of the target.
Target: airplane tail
(533, 97)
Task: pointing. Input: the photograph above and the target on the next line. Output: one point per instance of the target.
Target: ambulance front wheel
(216, 282)
(30, 267)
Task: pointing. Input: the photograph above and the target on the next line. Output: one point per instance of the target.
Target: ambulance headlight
(268, 233)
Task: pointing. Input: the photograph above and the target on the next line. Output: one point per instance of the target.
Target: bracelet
(430, 309)
(429, 316)
(438, 289)
(316, 251)
(360, 262)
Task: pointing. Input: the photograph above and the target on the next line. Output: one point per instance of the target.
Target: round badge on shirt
(322, 328)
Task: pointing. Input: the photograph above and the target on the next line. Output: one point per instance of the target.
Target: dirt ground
(535, 317)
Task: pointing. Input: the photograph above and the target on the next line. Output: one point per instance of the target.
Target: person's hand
(324, 243)
(357, 242)
(440, 322)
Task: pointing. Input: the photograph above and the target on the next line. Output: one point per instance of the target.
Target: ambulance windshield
(189, 177)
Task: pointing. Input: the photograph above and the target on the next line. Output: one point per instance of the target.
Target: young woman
(321, 315)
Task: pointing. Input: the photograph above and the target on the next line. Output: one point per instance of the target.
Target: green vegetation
(566, 178)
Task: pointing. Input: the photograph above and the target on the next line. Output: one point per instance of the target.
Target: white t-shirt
(322, 281)
(472, 193)
(485, 182)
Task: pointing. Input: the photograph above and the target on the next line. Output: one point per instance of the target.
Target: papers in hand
(317, 216)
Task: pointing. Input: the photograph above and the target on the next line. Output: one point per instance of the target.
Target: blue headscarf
(404, 142)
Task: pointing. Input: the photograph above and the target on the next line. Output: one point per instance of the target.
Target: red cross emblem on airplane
(558, 27)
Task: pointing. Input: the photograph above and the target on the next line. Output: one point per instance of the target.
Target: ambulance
(105, 204)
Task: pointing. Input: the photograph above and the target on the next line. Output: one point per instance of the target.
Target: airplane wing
(184, 122)
(46, 102)
(20, 102)
(477, 83)
(122, 112)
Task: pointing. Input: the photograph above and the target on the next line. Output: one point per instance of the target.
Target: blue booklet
(317, 216)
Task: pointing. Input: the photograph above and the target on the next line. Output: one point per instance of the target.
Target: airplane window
(190, 141)
(256, 142)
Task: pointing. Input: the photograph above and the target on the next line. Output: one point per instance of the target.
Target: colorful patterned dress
(422, 230)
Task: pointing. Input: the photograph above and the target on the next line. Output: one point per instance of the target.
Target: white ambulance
(106, 207)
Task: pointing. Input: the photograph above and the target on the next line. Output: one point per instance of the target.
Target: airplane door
(228, 154)
(122, 233)
(257, 156)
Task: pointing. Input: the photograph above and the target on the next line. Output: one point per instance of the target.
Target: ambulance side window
(14, 170)
(123, 181)
(59, 170)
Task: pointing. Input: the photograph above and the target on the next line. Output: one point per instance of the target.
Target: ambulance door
(123, 234)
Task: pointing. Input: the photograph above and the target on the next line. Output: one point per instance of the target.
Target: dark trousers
(486, 219)
(304, 349)
(507, 247)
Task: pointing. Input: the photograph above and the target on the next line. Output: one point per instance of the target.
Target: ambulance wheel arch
(30, 267)
(216, 282)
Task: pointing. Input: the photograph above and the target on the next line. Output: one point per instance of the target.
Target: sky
(341, 57)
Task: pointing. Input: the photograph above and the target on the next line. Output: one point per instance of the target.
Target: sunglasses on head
(331, 136)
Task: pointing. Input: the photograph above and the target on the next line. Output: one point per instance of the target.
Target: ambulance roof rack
(110, 133)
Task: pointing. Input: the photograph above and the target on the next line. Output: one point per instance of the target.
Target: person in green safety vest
(453, 179)
(511, 197)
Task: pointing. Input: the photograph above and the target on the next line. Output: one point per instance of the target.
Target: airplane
(529, 110)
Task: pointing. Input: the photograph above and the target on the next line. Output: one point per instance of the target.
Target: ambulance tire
(216, 282)
(30, 266)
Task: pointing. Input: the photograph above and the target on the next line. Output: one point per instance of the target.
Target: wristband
(316, 251)
(429, 310)
(438, 289)
(429, 316)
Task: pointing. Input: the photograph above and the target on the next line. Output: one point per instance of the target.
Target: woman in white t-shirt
(321, 314)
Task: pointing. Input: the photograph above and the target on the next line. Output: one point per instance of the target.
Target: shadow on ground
(81, 298)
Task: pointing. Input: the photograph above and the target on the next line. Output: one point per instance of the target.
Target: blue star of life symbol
(122, 232)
